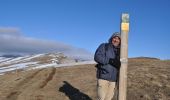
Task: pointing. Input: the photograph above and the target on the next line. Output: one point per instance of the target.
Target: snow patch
(64, 65)
(16, 67)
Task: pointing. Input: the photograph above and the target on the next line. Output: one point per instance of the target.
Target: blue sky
(87, 23)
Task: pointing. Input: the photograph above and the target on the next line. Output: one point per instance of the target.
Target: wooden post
(123, 56)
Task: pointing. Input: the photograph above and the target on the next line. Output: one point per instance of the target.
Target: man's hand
(115, 62)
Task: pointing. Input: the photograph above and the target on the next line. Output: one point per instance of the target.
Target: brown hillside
(148, 79)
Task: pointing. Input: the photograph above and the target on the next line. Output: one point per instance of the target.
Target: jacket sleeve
(100, 55)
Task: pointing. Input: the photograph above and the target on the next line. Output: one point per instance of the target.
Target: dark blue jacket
(102, 55)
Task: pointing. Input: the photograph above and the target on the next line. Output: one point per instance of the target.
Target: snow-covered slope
(30, 62)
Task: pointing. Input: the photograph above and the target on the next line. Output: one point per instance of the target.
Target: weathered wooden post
(123, 56)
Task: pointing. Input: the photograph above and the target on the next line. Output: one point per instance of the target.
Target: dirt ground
(148, 79)
(75, 83)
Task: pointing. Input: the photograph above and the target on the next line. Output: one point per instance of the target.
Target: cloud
(12, 41)
(12, 31)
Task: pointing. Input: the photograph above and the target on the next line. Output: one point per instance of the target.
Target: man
(107, 56)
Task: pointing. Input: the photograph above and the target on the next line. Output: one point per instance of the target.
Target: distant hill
(10, 63)
(10, 56)
(145, 58)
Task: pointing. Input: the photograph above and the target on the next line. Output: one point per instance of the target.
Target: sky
(78, 27)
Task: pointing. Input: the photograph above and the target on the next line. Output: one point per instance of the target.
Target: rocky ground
(148, 79)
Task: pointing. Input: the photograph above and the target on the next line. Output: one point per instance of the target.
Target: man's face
(116, 41)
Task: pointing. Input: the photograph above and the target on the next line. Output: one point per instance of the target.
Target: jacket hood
(114, 35)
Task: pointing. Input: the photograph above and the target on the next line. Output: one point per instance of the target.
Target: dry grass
(148, 79)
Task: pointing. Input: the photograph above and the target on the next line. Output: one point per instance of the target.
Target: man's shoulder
(104, 45)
